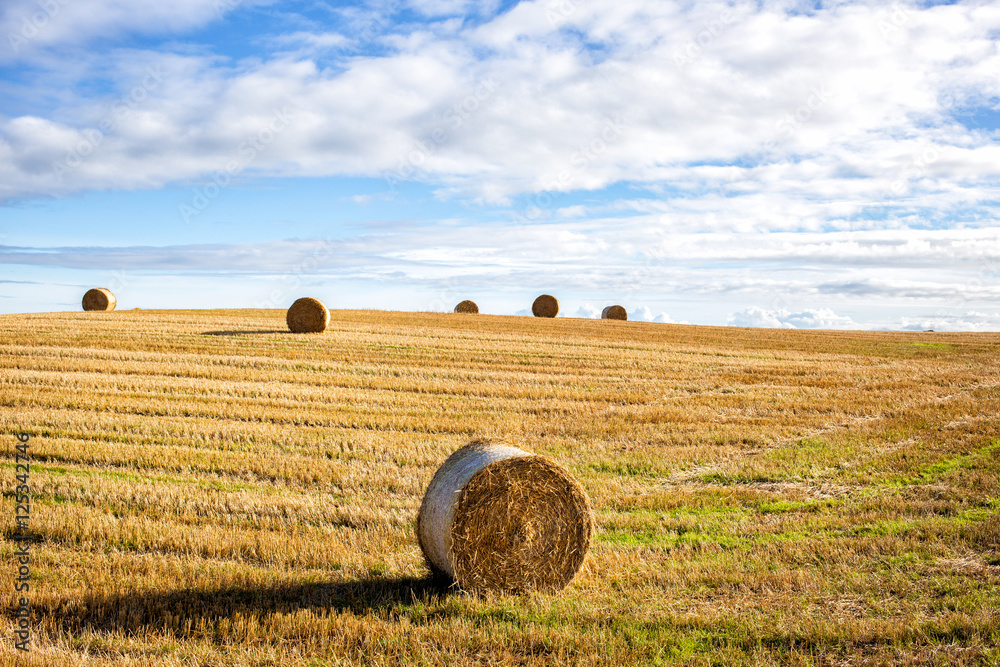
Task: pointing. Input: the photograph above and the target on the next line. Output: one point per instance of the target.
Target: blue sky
(786, 164)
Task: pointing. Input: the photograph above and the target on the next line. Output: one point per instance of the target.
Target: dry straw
(497, 518)
(614, 313)
(307, 315)
(99, 298)
(467, 307)
(545, 306)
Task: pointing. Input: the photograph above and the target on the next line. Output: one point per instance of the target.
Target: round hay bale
(467, 307)
(498, 518)
(545, 306)
(99, 298)
(307, 315)
(614, 313)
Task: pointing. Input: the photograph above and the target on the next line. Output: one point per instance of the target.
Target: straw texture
(307, 315)
(498, 518)
(99, 298)
(467, 307)
(614, 313)
(545, 306)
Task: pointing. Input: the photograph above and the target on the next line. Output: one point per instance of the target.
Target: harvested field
(210, 488)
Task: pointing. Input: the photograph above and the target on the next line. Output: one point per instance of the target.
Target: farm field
(208, 488)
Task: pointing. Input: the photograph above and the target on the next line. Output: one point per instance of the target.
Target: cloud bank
(781, 117)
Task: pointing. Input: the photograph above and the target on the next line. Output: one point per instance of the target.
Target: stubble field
(210, 489)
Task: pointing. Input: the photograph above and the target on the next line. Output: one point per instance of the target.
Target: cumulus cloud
(644, 314)
(772, 118)
(970, 321)
(821, 318)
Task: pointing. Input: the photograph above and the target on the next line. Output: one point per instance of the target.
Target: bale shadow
(179, 611)
(245, 332)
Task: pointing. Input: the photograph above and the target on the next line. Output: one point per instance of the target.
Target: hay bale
(497, 518)
(99, 298)
(307, 315)
(467, 307)
(545, 306)
(614, 313)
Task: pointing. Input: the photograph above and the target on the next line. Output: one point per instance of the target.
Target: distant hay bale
(497, 518)
(99, 298)
(545, 306)
(467, 307)
(307, 315)
(614, 313)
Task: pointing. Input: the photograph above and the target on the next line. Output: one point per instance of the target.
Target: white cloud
(27, 24)
(827, 114)
(970, 321)
(644, 314)
(821, 318)
(589, 311)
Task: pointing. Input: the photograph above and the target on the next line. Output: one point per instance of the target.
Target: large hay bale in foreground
(545, 306)
(497, 518)
(614, 313)
(99, 298)
(307, 315)
(467, 307)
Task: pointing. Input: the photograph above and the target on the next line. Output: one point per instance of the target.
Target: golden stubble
(209, 488)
